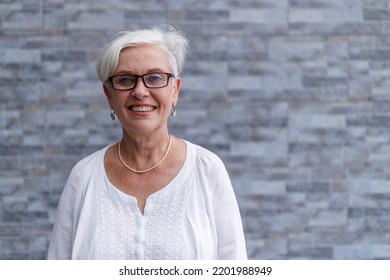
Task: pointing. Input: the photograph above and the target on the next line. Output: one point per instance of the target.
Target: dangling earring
(112, 114)
(173, 111)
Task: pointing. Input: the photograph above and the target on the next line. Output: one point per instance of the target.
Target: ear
(176, 90)
(107, 92)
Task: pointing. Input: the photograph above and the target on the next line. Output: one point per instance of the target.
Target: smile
(141, 108)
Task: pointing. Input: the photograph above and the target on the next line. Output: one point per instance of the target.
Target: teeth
(141, 108)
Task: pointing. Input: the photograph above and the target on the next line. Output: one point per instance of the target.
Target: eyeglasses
(150, 80)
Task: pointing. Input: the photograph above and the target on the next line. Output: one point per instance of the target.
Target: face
(143, 110)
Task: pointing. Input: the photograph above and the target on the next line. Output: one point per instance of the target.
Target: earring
(173, 111)
(112, 114)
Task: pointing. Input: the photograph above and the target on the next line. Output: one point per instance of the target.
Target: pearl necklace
(150, 168)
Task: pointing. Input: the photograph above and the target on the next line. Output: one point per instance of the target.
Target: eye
(125, 80)
(154, 78)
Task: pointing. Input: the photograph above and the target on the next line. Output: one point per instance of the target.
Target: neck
(142, 152)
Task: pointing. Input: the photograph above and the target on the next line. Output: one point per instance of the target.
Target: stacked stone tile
(292, 95)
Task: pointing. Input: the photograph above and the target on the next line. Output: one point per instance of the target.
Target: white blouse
(195, 216)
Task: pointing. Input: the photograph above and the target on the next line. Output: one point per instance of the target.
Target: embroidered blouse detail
(117, 229)
(124, 233)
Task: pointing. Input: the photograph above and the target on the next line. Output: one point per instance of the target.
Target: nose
(140, 90)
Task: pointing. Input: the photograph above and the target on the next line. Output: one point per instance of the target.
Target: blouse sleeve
(61, 242)
(227, 218)
(230, 234)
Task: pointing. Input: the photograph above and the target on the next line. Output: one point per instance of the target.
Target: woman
(151, 195)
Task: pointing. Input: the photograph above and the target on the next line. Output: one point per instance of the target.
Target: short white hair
(166, 37)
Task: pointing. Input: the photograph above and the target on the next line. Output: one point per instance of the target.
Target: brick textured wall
(292, 95)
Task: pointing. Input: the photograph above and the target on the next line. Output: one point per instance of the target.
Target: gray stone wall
(292, 95)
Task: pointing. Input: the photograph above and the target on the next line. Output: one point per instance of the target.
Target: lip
(141, 109)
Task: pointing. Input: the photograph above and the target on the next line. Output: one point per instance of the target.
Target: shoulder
(81, 175)
(83, 169)
(210, 173)
(206, 160)
(86, 163)
(204, 155)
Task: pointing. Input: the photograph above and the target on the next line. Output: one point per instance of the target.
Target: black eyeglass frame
(169, 75)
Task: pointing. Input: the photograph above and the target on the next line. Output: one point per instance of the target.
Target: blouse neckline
(127, 199)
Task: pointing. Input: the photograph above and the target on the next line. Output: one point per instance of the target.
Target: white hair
(166, 37)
